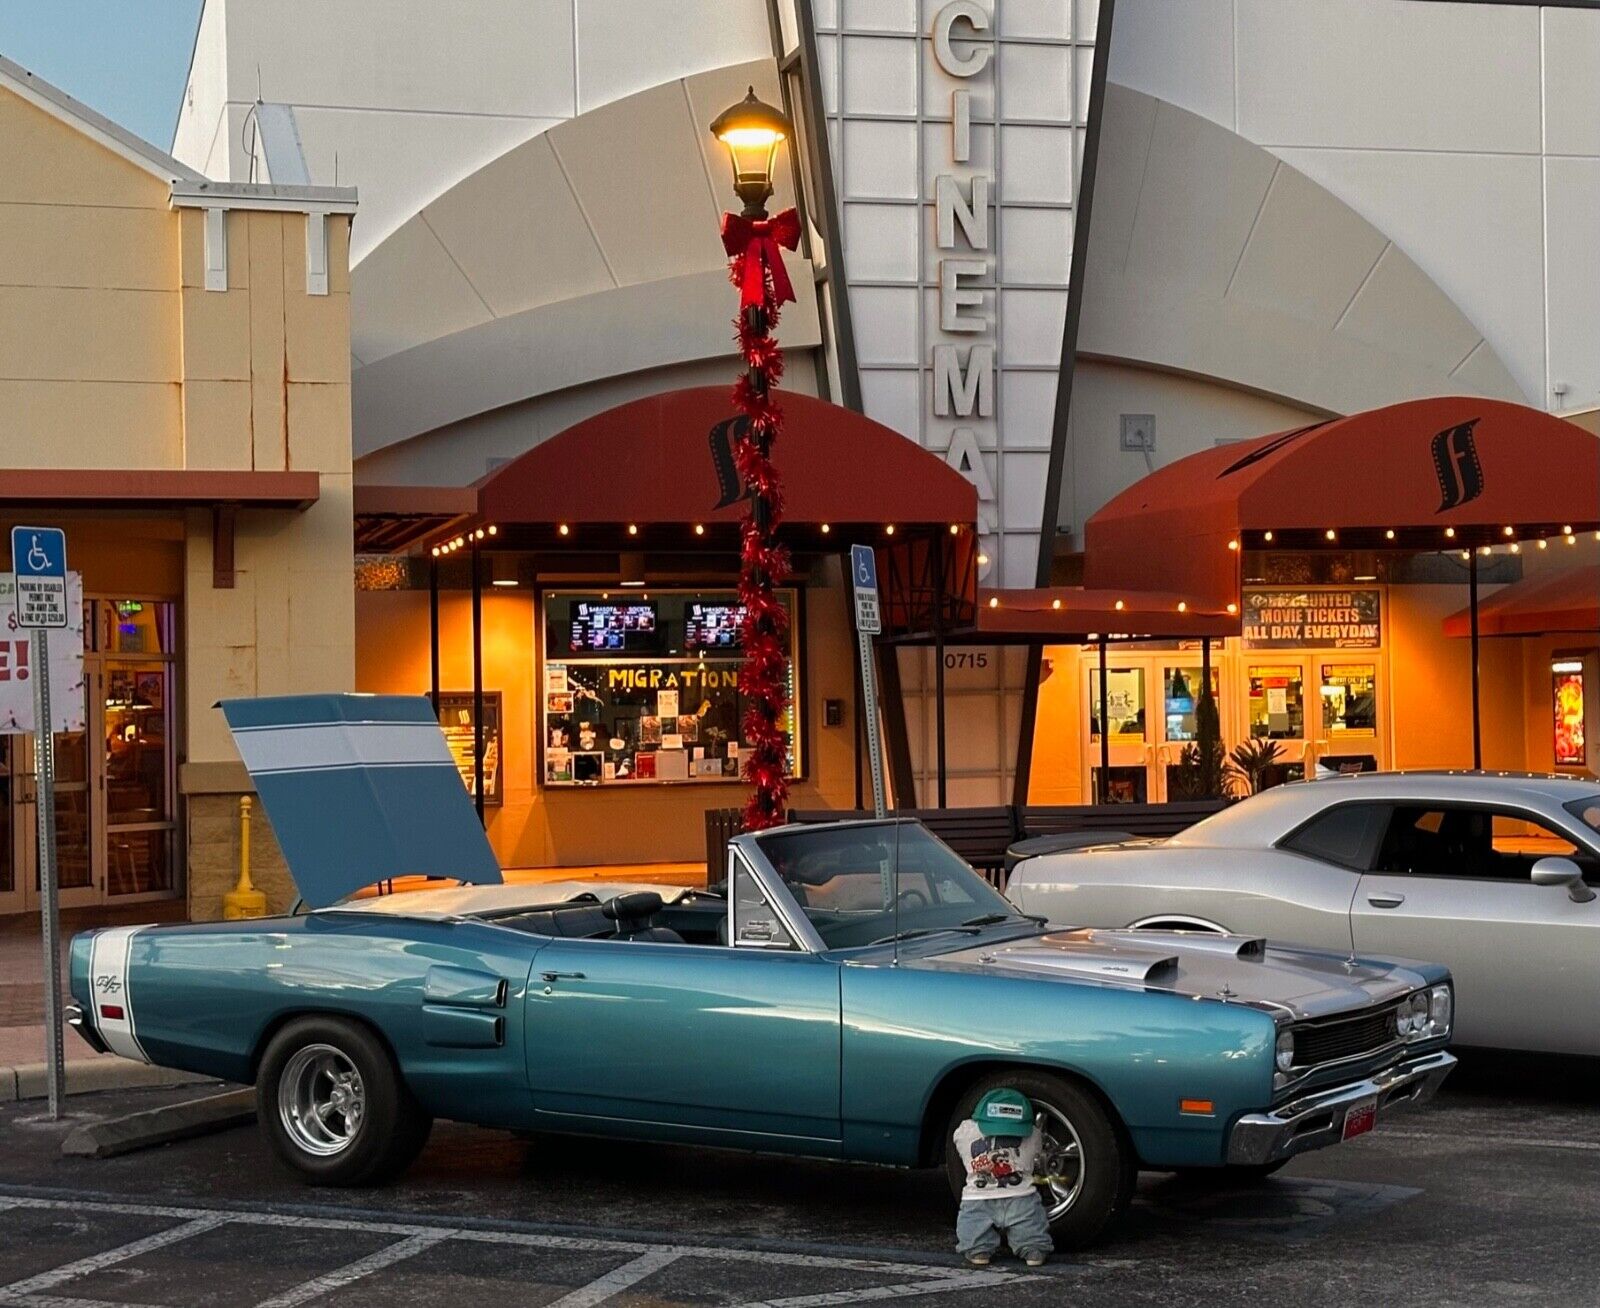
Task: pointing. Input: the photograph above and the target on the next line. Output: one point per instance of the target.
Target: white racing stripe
(320, 746)
(109, 995)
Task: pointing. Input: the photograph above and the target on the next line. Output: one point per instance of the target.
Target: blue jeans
(980, 1224)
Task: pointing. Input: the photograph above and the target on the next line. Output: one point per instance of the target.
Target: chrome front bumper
(1318, 1119)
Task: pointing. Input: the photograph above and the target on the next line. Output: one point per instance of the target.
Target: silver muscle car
(1491, 874)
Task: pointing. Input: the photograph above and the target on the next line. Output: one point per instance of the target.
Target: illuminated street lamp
(752, 132)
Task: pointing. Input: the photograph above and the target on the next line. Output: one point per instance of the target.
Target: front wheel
(1091, 1167)
(333, 1106)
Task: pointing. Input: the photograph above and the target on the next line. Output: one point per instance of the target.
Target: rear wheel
(333, 1106)
(1091, 1167)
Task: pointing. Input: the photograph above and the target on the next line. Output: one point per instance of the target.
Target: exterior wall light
(1331, 534)
(1182, 607)
(1389, 535)
(826, 529)
(1449, 533)
(564, 529)
(1233, 608)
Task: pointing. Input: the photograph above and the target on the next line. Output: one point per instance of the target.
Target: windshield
(845, 880)
(1587, 811)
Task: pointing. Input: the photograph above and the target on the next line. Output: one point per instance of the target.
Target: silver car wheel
(321, 1100)
(1061, 1158)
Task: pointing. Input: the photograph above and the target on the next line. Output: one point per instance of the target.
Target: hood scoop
(1247, 949)
(1085, 953)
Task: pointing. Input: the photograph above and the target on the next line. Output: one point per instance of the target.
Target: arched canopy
(1428, 474)
(649, 463)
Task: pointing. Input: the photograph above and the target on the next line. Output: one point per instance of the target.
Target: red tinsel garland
(764, 676)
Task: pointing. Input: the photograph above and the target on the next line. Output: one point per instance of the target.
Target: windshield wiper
(965, 929)
(991, 919)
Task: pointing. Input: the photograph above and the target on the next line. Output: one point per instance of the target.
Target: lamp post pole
(752, 131)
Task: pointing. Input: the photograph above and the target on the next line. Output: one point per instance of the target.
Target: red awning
(1071, 615)
(1549, 603)
(649, 462)
(1424, 475)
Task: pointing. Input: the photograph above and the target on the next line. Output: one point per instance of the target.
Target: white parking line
(942, 1285)
(619, 1279)
(354, 1271)
(413, 1238)
(35, 1285)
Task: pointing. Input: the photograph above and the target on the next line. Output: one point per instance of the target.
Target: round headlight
(1285, 1050)
(1440, 1009)
(1418, 1004)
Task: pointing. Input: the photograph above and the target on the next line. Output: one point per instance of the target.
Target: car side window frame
(795, 940)
(1285, 843)
(1586, 848)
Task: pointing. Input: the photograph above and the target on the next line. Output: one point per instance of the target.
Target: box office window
(642, 687)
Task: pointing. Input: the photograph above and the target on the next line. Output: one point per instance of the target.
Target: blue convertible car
(850, 991)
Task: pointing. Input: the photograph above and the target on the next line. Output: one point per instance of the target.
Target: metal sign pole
(44, 770)
(39, 569)
(869, 622)
(869, 684)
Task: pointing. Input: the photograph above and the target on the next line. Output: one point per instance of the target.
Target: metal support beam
(477, 681)
(1472, 615)
(433, 633)
(1103, 790)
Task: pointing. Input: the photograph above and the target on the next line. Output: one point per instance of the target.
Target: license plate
(1360, 1118)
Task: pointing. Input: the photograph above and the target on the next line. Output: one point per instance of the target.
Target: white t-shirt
(998, 1166)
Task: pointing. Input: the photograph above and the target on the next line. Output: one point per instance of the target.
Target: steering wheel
(912, 899)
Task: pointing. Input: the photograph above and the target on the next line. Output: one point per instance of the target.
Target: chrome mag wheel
(321, 1100)
(1061, 1158)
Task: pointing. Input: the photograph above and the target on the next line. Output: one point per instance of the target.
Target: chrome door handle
(1386, 900)
(562, 976)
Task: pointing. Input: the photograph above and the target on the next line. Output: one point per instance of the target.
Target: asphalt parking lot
(1488, 1198)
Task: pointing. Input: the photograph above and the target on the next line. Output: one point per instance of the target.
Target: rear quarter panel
(207, 996)
(906, 1029)
(1265, 892)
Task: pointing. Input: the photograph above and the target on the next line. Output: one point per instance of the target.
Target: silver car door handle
(1386, 900)
(562, 976)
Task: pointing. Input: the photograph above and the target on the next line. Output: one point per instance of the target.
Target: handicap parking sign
(864, 574)
(39, 560)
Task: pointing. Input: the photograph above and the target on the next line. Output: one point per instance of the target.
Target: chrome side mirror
(1562, 872)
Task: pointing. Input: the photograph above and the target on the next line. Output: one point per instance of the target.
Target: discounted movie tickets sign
(16, 663)
(1327, 619)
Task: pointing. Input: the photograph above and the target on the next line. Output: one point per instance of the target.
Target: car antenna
(894, 889)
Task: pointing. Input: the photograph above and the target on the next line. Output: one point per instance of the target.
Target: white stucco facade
(1469, 134)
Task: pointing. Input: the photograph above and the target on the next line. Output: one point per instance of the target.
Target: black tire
(387, 1132)
(1110, 1171)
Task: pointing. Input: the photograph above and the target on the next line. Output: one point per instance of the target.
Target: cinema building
(1047, 252)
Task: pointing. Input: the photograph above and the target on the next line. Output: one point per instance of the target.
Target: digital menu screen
(597, 627)
(712, 626)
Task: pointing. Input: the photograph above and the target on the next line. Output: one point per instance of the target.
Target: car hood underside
(1238, 969)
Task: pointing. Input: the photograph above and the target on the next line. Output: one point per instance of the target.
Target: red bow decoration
(753, 245)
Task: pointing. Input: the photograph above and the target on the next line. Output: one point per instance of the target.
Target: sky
(126, 58)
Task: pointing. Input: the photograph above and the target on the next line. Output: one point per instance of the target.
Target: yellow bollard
(244, 900)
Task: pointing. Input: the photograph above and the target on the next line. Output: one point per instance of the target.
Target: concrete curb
(159, 1126)
(85, 1076)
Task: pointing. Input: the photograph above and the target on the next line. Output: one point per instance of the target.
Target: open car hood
(359, 789)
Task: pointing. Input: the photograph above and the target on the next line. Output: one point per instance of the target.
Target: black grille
(1349, 1037)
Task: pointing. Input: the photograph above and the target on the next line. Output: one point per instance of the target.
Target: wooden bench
(980, 835)
(1151, 820)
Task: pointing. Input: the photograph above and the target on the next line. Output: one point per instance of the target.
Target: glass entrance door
(1180, 775)
(1277, 714)
(1131, 752)
(1348, 690)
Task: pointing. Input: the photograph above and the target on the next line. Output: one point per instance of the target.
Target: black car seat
(633, 914)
